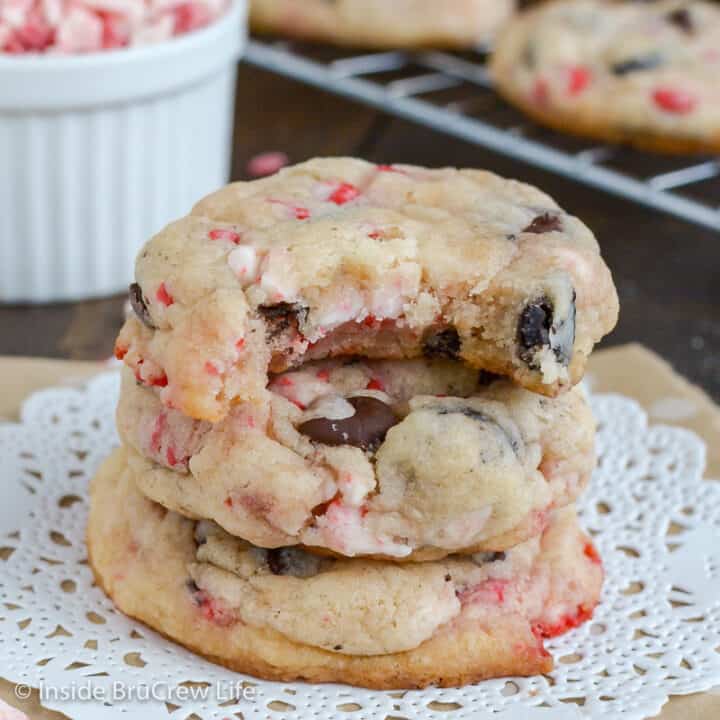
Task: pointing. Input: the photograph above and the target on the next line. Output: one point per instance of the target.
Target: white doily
(656, 633)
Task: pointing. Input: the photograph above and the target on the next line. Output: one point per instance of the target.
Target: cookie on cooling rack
(409, 460)
(288, 615)
(383, 24)
(641, 73)
(339, 257)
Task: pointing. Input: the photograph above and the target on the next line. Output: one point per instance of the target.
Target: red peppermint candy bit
(489, 590)
(375, 235)
(211, 369)
(301, 213)
(579, 78)
(375, 384)
(591, 552)
(164, 296)
(540, 648)
(157, 433)
(228, 502)
(565, 623)
(370, 321)
(159, 381)
(267, 163)
(190, 16)
(344, 194)
(120, 352)
(213, 612)
(674, 101)
(389, 168)
(323, 375)
(114, 30)
(172, 458)
(240, 344)
(13, 46)
(36, 34)
(540, 92)
(224, 234)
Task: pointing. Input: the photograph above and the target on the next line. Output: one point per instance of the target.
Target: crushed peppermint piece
(344, 193)
(243, 261)
(579, 78)
(224, 234)
(164, 296)
(674, 100)
(211, 369)
(267, 163)
(82, 26)
(159, 381)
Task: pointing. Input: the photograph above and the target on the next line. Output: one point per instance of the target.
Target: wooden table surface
(667, 271)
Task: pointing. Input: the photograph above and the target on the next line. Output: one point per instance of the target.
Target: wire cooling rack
(452, 93)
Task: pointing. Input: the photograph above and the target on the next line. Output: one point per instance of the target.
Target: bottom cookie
(286, 614)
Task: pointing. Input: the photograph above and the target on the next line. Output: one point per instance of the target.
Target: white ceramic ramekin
(100, 151)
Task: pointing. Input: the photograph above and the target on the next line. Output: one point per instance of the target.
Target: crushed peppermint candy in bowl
(115, 116)
(81, 26)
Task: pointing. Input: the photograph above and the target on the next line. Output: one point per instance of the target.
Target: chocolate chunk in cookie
(195, 592)
(543, 325)
(534, 329)
(444, 344)
(282, 317)
(637, 64)
(478, 416)
(365, 429)
(682, 19)
(488, 557)
(547, 222)
(139, 305)
(278, 561)
(486, 378)
(295, 562)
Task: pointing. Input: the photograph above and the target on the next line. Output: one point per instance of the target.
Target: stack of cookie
(351, 437)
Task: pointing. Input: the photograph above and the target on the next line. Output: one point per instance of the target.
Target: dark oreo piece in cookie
(365, 429)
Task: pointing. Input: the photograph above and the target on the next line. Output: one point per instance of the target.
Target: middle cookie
(408, 460)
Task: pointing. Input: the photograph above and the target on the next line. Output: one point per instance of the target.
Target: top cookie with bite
(339, 257)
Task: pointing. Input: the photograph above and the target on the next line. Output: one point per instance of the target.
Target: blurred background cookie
(641, 73)
(378, 23)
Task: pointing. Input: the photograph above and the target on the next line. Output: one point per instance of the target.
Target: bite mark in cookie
(395, 265)
(282, 317)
